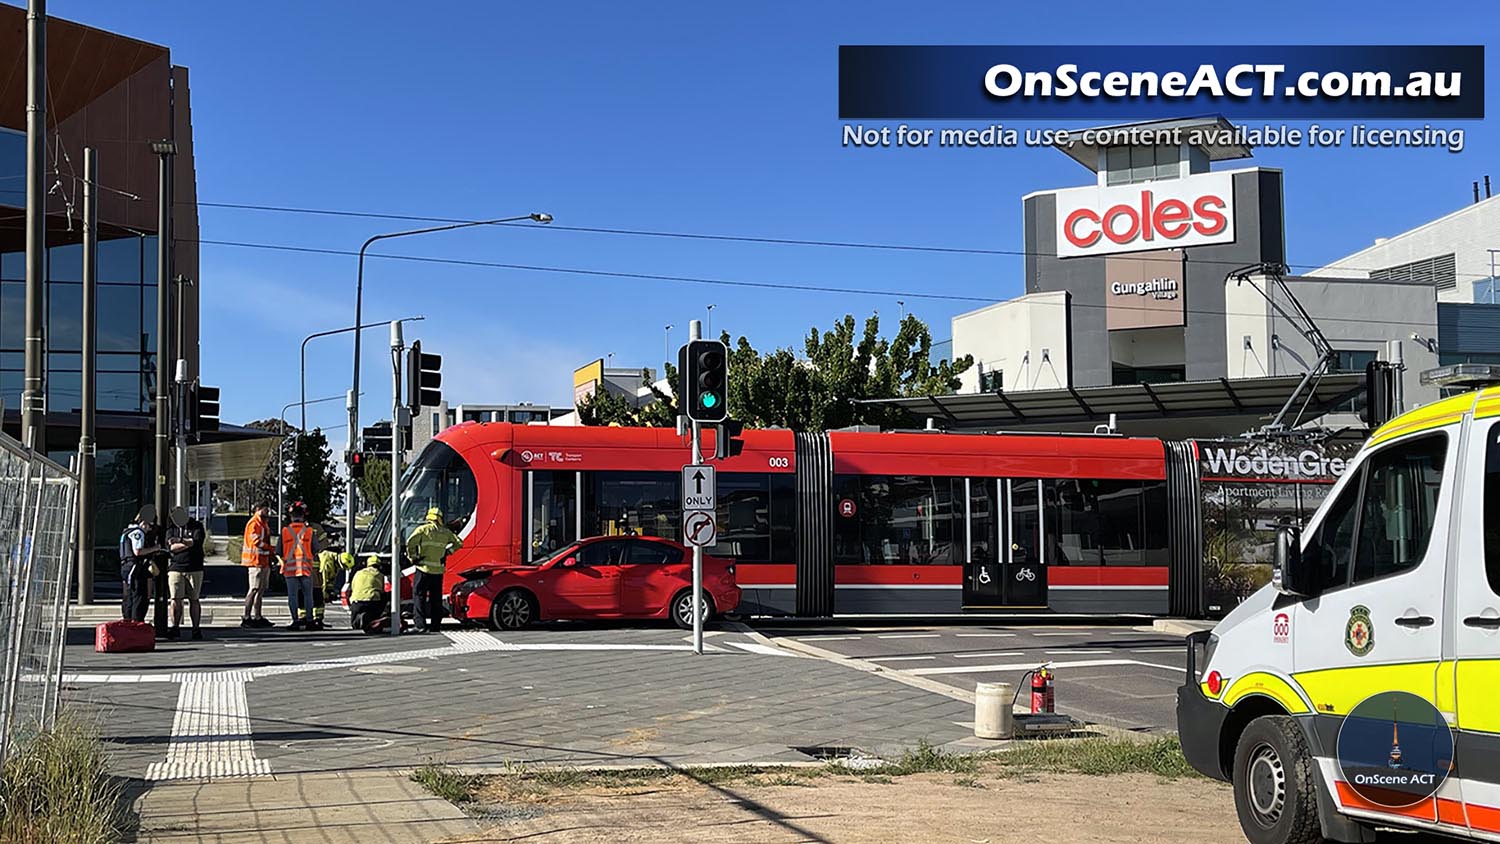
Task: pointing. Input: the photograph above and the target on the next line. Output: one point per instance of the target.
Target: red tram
(845, 522)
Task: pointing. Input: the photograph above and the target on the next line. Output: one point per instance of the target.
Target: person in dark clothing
(137, 546)
(184, 540)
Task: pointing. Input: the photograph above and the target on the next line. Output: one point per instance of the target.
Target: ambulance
(1361, 687)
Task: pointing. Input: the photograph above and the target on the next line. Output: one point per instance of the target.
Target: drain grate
(849, 757)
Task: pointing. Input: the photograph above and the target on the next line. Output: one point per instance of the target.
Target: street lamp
(710, 323)
(359, 294)
(666, 347)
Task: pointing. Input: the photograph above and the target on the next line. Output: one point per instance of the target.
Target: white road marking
(1074, 653)
(898, 658)
(985, 635)
(1157, 650)
(767, 650)
(910, 636)
(1025, 666)
(827, 638)
(988, 655)
(1078, 633)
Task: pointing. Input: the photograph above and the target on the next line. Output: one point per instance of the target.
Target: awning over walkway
(1237, 402)
(242, 459)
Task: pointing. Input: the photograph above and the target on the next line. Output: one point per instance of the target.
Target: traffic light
(377, 438)
(703, 367)
(727, 442)
(202, 408)
(424, 378)
(356, 465)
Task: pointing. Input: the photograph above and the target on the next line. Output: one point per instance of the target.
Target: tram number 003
(780, 462)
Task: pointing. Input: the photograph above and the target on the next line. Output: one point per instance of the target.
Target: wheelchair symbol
(984, 576)
(1025, 574)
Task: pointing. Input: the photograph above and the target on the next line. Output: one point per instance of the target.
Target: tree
(310, 475)
(820, 391)
(375, 486)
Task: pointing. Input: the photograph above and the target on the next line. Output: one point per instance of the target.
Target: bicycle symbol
(1025, 574)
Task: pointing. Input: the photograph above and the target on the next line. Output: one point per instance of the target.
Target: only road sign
(698, 488)
(698, 528)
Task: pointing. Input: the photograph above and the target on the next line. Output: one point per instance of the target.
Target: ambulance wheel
(1275, 786)
(513, 610)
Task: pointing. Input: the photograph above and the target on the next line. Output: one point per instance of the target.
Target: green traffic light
(710, 400)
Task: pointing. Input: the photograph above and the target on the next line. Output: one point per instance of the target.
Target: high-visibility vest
(257, 548)
(297, 558)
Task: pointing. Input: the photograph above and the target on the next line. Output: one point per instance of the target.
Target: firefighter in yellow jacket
(429, 546)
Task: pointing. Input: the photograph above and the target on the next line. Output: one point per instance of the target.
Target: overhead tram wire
(776, 241)
(752, 239)
(722, 282)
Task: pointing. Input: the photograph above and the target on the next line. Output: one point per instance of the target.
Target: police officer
(138, 545)
(429, 546)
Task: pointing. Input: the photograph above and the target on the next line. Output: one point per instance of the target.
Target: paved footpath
(271, 718)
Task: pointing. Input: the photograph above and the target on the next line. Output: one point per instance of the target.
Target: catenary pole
(87, 403)
(396, 428)
(33, 395)
(165, 151)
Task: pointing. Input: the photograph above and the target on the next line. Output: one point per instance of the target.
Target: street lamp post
(666, 348)
(359, 293)
(709, 325)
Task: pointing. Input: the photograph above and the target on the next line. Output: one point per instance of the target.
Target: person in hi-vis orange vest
(256, 556)
(299, 553)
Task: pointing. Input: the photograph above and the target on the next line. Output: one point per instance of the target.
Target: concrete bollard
(992, 714)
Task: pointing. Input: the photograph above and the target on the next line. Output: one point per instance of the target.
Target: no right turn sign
(698, 528)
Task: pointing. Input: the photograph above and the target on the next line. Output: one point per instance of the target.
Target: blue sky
(691, 117)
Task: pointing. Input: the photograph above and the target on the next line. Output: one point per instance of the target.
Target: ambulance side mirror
(1289, 575)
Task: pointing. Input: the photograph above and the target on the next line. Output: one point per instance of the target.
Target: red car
(602, 577)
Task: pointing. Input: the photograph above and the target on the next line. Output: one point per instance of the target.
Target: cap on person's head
(147, 514)
(178, 514)
(434, 514)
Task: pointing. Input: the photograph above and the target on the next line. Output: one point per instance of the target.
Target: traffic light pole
(695, 332)
(396, 347)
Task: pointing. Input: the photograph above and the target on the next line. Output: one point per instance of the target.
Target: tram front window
(438, 478)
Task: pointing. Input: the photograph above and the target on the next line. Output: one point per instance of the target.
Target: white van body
(1394, 587)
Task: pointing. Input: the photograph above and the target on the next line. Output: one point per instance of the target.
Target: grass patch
(56, 789)
(447, 783)
(1098, 756)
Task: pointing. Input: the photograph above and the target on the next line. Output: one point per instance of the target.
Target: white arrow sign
(698, 528)
(698, 488)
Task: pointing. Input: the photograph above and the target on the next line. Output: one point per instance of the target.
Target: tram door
(1003, 567)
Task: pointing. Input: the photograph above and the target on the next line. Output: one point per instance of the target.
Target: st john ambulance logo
(1359, 633)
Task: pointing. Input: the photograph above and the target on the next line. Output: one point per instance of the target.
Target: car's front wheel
(682, 609)
(513, 610)
(1275, 787)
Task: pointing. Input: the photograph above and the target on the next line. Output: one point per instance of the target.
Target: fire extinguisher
(1042, 696)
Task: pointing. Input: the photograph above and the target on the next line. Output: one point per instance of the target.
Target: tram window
(982, 526)
(634, 504)
(744, 529)
(554, 508)
(900, 520)
(783, 517)
(1024, 521)
(439, 478)
(1105, 522)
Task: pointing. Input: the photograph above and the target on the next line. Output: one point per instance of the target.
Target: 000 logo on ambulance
(1359, 688)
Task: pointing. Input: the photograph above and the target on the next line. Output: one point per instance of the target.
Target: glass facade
(126, 320)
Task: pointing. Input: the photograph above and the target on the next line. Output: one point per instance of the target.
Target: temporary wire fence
(38, 512)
